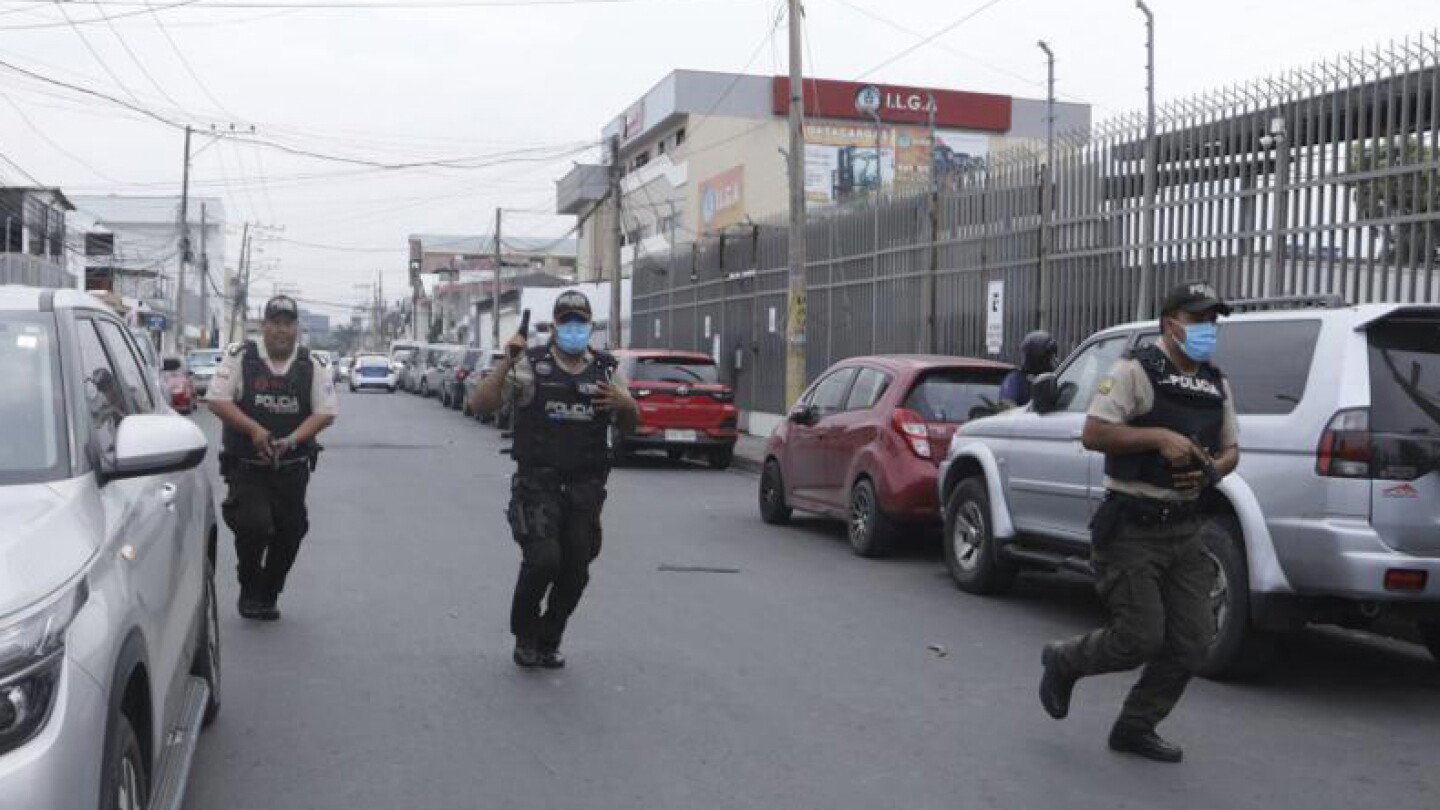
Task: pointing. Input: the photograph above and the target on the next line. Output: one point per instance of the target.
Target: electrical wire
(94, 53)
(185, 62)
(927, 40)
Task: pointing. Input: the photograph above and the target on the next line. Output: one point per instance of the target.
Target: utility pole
(184, 248)
(242, 287)
(928, 337)
(1047, 182)
(1145, 307)
(1276, 277)
(204, 284)
(795, 377)
(495, 298)
(616, 329)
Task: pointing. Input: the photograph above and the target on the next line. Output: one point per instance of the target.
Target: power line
(94, 53)
(40, 133)
(160, 23)
(938, 34)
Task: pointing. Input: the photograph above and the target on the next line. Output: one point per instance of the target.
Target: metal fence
(1324, 180)
(32, 271)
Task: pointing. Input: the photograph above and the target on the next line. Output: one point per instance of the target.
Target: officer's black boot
(1143, 742)
(526, 656)
(249, 607)
(1057, 684)
(550, 656)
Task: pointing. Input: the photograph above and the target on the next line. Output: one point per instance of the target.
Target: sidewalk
(749, 453)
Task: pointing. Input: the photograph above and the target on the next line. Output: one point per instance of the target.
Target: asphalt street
(799, 677)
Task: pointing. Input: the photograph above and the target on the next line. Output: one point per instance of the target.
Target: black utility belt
(283, 464)
(1151, 512)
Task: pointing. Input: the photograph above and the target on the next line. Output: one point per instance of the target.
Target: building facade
(133, 250)
(35, 247)
(702, 152)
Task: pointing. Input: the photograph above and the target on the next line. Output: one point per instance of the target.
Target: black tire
(773, 509)
(971, 553)
(1239, 650)
(1430, 634)
(207, 652)
(871, 532)
(722, 459)
(125, 781)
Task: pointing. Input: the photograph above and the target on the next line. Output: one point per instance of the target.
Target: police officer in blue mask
(566, 397)
(1165, 420)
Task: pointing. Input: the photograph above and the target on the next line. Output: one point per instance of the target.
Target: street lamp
(1147, 262)
(1046, 182)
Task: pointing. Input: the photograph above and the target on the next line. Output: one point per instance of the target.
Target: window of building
(99, 244)
(660, 147)
(679, 136)
(642, 159)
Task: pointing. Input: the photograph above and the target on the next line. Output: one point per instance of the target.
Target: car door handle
(168, 493)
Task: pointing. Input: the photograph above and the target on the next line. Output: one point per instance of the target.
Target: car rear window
(674, 370)
(369, 362)
(1405, 377)
(1246, 354)
(953, 395)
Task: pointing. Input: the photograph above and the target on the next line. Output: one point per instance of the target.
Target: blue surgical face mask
(573, 338)
(1200, 340)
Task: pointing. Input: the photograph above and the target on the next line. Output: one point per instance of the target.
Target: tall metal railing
(1318, 180)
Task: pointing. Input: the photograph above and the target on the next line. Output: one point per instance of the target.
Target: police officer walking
(1165, 420)
(566, 398)
(1038, 354)
(273, 398)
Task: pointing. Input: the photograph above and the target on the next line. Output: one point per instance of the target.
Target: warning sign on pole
(995, 318)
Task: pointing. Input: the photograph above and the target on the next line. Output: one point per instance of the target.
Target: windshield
(31, 401)
(672, 370)
(205, 359)
(955, 396)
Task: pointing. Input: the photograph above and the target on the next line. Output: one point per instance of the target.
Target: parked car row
(685, 410)
(1332, 517)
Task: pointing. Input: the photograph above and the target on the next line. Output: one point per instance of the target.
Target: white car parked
(109, 642)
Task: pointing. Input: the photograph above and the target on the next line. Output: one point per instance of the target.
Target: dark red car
(179, 385)
(684, 408)
(865, 442)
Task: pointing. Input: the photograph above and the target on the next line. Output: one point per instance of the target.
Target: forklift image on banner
(858, 171)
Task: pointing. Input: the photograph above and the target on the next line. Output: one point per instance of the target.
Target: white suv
(1333, 515)
(109, 647)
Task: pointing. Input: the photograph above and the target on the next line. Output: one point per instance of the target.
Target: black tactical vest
(279, 402)
(559, 428)
(1193, 406)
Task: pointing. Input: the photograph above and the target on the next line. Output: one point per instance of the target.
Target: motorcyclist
(1038, 355)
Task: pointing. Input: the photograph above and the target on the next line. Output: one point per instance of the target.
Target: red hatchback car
(684, 408)
(179, 385)
(865, 442)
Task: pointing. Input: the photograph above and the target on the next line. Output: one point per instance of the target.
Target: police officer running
(1165, 420)
(273, 398)
(1038, 355)
(566, 398)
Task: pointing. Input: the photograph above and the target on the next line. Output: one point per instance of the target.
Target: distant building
(34, 248)
(133, 250)
(313, 324)
(704, 152)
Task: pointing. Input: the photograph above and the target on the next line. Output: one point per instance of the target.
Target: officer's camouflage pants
(1156, 582)
(266, 510)
(556, 521)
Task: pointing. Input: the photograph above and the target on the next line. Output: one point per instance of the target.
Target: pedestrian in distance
(1165, 420)
(566, 399)
(1038, 355)
(273, 398)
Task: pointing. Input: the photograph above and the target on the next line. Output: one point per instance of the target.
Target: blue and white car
(109, 639)
(373, 371)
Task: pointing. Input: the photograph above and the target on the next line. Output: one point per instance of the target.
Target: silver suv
(109, 649)
(1333, 515)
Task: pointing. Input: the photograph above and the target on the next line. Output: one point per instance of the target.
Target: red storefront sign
(954, 109)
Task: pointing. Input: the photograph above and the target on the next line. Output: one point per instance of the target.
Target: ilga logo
(1196, 384)
(278, 403)
(570, 411)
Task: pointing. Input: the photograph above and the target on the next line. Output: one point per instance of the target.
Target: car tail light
(912, 428)
(1344, 450)
(1405, 579)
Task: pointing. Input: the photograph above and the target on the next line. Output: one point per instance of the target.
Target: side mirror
(1045, 393)
(154, 444)
(170, 364)
(803, 415)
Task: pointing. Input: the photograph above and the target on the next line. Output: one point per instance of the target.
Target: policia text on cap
(274, 398)
(1165, 420)
(566, 398)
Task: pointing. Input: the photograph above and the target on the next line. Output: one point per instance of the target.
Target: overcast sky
(398, 85)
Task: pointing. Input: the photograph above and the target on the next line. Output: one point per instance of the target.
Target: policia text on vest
(1165, 420)
(273, 398)
(567, 400)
